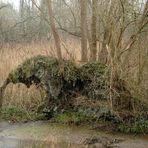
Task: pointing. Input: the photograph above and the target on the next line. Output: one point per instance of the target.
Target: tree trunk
(93, 47)
(22, 15)
(54, 31)
(103, 53)
(84, 52)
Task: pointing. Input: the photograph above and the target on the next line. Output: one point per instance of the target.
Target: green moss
(32, 70)
(35, 69)
(71, 117)
(139, 126)
(95, 76)
(93, 69)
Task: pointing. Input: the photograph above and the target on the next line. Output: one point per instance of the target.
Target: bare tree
(93, 46)
(83, 4)
(54, 30)
(22, 15)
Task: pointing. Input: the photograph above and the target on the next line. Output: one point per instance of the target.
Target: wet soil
(44, 134)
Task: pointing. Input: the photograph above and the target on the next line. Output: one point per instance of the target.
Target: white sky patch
(15, 3)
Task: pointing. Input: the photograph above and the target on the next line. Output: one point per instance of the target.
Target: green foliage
(13, 113)
(32, 70)
(93, 69)
(16, 114)
(96, 78)
(139, 126)
(71, 117)
(37, 69)
(69, 71)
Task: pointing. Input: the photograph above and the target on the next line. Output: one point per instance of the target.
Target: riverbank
(106, 123)
(44, 134)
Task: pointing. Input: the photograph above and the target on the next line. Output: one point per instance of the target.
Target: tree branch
(3, 6)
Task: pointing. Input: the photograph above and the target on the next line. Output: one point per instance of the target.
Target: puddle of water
(44, 134)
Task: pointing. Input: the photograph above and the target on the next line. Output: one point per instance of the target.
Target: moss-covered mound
(65, 82)
(40, 70)
(31, 71)
(57, 77)
(34, 70)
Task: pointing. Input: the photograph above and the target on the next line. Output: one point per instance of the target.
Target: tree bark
(84, 52)
(93, 47)
(103, 53)
(54, 31)
(22, 13)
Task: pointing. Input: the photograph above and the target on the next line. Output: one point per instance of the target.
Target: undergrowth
(16, 114)
(137, 127)
(71, 117)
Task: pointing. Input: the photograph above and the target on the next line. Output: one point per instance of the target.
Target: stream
(42, 134)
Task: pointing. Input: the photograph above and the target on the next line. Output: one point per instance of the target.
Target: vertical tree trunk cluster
(109, 22)
(84, 31)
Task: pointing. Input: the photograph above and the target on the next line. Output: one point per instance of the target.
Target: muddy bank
(45, 134)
